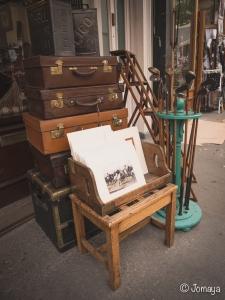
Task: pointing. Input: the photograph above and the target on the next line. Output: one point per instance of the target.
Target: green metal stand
(193, 215)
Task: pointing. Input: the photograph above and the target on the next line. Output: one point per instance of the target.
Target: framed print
(5, 19)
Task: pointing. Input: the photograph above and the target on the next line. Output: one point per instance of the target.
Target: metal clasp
(57, 70)
(71, 166)
(116, 122)
(73, 68)
(55, 134)
(106, 68)
(112, 96)
(66, 169)
(57, 103)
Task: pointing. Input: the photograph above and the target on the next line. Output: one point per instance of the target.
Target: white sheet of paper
(106, 152)
(96, 140)
(98, 150)
(74, 136)
(131, 135)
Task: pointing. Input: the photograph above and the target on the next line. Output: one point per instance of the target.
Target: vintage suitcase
(54, 167)
(50, 104)
(85, 28)
(51, 72)
(83, 182)
(50, 136)
(51, 28)
(53, 212)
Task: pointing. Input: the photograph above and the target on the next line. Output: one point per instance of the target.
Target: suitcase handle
(39, 203)
(83, 74)
(99, 100)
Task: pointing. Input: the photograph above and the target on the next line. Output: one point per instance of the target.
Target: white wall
(140, 31)
(19, 13)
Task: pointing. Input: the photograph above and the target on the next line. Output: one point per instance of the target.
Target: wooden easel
(134, 77)
(127, 219)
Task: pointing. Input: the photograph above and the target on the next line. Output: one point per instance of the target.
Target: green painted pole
(193, 215)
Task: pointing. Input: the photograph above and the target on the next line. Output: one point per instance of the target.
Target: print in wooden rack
(119, 176)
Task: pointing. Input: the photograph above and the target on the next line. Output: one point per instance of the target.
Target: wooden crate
(83, 182)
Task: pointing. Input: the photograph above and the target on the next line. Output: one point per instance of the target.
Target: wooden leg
(170, 220)
(79, 228)
(113, 251)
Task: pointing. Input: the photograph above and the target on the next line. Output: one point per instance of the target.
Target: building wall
(19, 13)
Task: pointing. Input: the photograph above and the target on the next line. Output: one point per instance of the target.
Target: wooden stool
(127, 219)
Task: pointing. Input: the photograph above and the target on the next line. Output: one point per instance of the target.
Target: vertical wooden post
(79, 228)
(201, 36)
(112, 236)
(170, 220)
(193, 41)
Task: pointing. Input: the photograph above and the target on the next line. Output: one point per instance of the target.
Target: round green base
(188, 219)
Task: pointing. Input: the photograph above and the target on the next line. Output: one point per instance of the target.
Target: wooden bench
(127, 219)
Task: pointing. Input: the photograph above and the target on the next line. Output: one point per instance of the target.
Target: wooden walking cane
(183, 170)
(188, 182)
(174, 142)
(161, 122)
(167, 128)
(163, 133)
(169, 73)
(200, 94)
(190, 76)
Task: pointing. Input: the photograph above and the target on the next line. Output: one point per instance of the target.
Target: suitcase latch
(106, 68)
(116, 122)
(66, 169)
(112, 96)
(57, 70)
(57, 103)
(55, 134)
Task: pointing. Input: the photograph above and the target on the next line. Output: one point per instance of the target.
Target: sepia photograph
(118, 176)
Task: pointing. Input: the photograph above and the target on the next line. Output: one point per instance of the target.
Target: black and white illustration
(119, 176)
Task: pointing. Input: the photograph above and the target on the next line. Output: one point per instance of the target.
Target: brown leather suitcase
(56, 103)
(54, 167)
(50, 136)
(50, 72)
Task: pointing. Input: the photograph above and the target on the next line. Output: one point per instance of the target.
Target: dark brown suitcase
(53, 212)
(54, 167)
(85, 28)
(51, 72)
(50, 104)
(51, 28)
(50, 136)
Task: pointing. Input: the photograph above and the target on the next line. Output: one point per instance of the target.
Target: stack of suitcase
(65, 94)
